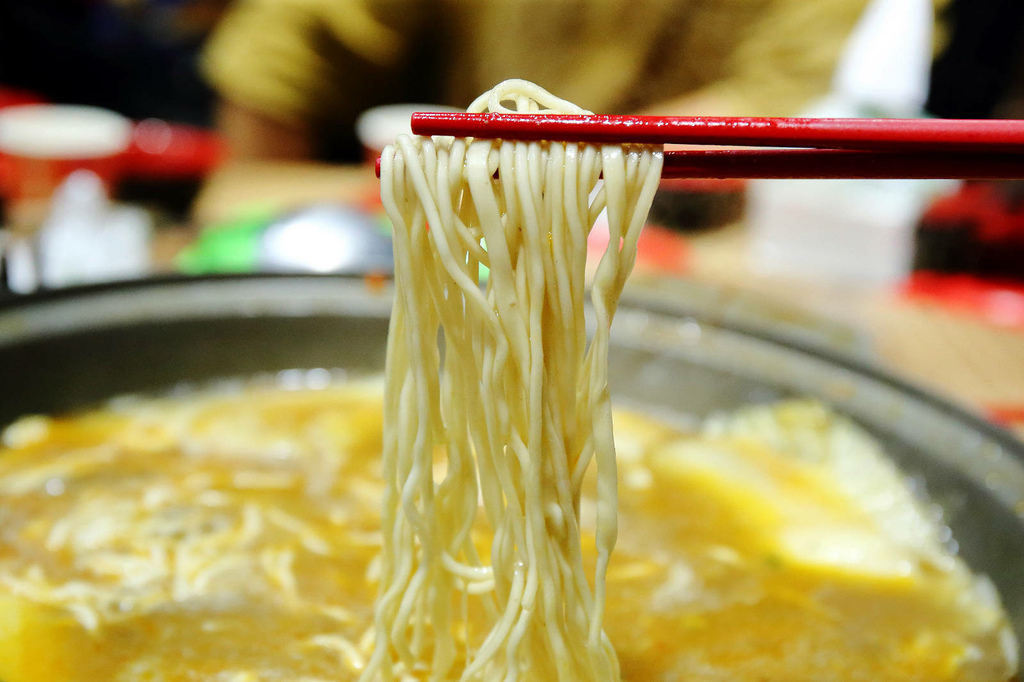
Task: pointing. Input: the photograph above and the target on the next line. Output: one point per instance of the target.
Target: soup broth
(233, 536)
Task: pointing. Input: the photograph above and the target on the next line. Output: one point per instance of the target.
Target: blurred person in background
(293, 75)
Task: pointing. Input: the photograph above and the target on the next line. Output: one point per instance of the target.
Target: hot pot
(676, 354)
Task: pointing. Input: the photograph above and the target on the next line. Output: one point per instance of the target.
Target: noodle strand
(497, 378)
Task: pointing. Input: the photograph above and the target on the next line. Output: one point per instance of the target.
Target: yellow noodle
(513, 393)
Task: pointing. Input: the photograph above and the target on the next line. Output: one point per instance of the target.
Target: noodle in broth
(517, 398)
(235, 534)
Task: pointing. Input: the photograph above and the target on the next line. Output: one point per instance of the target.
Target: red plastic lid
(1000, 303)
(15, 96)
(162, 150)
(10, 97)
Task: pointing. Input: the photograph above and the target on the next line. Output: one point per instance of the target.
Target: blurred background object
(377, 127)
(980, 71)
(322, 62)
(855, 231)
(322, 238)
(250, 124)
(136, 57)
(42, 144)
(977, 230)
(73, 76)
(85, 239)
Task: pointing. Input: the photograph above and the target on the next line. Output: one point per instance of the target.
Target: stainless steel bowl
(67, 350)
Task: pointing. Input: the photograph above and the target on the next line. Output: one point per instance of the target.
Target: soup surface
(232, 536)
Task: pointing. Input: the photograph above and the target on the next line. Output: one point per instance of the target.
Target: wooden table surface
(973, 362)
(949, 352)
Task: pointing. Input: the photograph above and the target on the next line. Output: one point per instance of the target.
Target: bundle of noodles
(502, 379)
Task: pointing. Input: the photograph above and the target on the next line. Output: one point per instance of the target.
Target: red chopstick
(837, 163)
(841, 163)
(824, 133)
(826, 147)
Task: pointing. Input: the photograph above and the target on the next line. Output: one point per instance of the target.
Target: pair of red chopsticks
(815, 147)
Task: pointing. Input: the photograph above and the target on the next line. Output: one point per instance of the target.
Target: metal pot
(63, 351)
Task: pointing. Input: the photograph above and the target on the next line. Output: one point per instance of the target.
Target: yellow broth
(232, 537)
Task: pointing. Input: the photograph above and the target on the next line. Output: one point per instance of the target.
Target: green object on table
(226, 247)
(234, 246)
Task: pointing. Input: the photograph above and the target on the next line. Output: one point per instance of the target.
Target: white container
(855, 231)
(85, 239)
(65, 131)
(378, 127)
